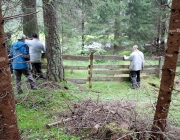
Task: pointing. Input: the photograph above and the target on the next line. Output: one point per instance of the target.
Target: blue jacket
(19, 53)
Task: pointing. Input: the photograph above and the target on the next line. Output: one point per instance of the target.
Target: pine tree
(168, 74)
(30, 24)
(8, 120)
(55, 70)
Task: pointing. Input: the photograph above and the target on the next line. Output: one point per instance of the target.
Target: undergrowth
(36, 109)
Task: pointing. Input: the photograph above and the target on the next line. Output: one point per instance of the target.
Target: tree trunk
(30, 24)
(168, 73)
(83, 27)
(8, 120)
(160, 50)
(55, 70)
(116, 32)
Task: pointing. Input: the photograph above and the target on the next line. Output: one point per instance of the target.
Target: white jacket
(36, 48)
(136, 59)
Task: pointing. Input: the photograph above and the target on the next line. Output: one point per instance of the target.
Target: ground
(91, 119)
(109, 120)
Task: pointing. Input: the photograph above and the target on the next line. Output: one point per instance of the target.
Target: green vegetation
(136, 22)
(113, 24)
(36, 109)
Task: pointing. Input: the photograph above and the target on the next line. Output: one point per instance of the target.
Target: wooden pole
(90, 70)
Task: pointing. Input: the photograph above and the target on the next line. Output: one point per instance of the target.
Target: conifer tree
(30, 24)
(55, 70)
(8, 120)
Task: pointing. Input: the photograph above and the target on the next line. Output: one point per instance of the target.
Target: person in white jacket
(36, 48)
(136, 59)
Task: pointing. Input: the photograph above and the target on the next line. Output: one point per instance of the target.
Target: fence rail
(110, 72)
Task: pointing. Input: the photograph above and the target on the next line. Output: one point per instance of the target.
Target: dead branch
(60, 122)
(95, 128)
(154, 85)
(19, 15)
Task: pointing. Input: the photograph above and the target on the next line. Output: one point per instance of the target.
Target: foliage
(137, 22)
(36, 109)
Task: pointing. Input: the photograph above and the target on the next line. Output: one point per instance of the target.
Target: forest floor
(109, 120)
(101, 113)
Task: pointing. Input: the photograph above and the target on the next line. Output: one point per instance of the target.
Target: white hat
(21, 36)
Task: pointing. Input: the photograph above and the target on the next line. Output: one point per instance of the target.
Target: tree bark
(30, 24)
(8, 120)
(55, 70)
(116, 31)
(168, 73)
(160, 48)
(83, 28)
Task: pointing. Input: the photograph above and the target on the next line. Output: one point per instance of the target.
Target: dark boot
(138, 84)
(133, 86)
(33, 86)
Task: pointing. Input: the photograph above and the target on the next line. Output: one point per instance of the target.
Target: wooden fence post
(90, 70)
(160, 66)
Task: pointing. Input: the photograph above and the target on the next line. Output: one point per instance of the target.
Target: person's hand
(124, 57)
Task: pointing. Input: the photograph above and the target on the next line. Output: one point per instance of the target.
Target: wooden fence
(110, 72)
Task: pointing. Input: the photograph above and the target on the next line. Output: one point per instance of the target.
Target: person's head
(21, 37)
(135, 47)
(34, 35)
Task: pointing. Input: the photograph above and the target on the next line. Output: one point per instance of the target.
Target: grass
(38, 109)
(35, 109)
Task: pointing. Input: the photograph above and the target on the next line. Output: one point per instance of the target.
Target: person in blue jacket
(19, 54)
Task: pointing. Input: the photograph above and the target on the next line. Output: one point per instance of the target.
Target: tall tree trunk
(55, 70)
(62, 28)
(162, 28)
(83, 27)
(168, 73)
(30, 24)
(157, 39)
(116, 32)
(8, 120)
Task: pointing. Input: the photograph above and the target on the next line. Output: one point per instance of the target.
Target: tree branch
(19, 15)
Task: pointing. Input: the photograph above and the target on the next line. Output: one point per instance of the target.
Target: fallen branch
(95, 128)
(154, 85)
(60, 122)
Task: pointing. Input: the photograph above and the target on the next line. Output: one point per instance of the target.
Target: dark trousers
(135, 78)
(37, 69)
(18, 73)
(10, 66)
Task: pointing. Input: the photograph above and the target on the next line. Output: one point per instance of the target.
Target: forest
(64, 110)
